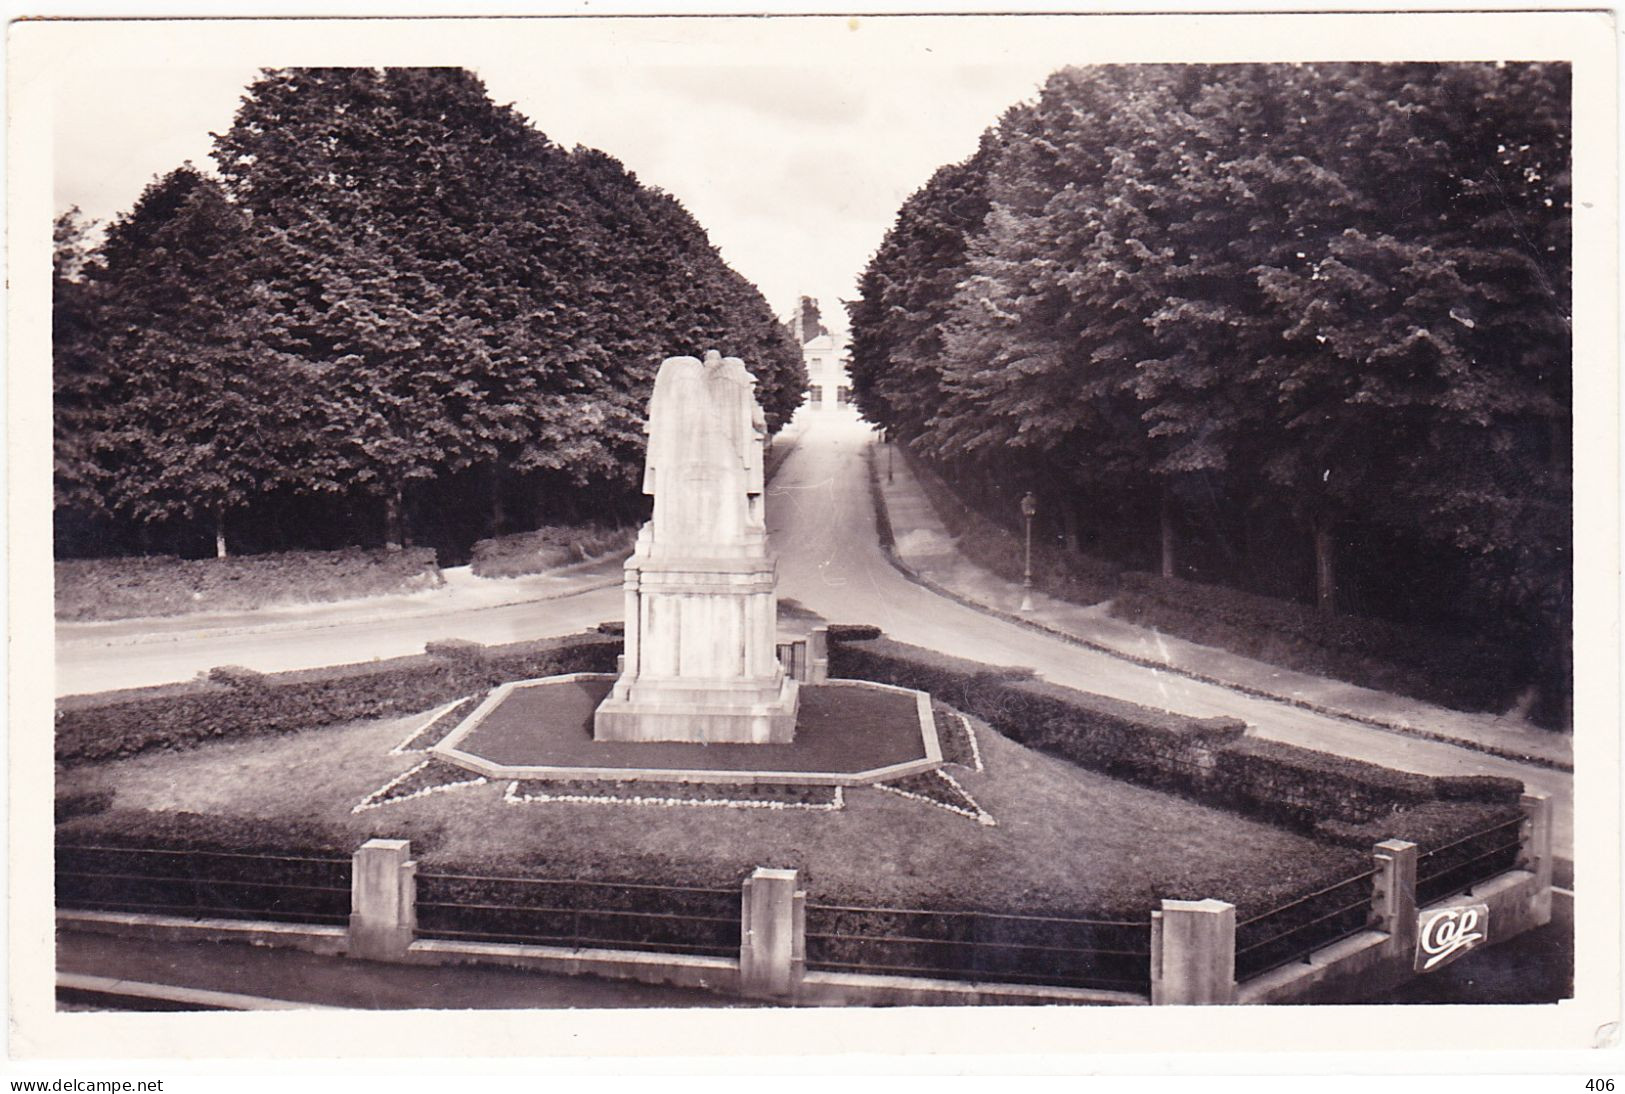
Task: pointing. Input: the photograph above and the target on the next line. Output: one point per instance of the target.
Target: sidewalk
(925, 550)
(273, 978)
(462, 591)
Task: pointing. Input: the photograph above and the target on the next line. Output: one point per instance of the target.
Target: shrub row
(125, 588)
(156, 829)
(1369, 652)
(1208, 759)
(235, 702)
(546, 548)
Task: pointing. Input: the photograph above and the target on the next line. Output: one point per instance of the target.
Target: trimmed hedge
(1208, 759)
(144, 829)
(1430, 825)
(237, 702)
(1373, 653)
(967, 685)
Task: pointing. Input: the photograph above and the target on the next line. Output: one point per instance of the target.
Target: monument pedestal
(700, 661)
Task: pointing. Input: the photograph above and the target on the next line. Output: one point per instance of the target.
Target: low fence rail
(1293, 931)
(1459, 865)
(570, 912)
(210, 884)
(767, 933)
(984, 946)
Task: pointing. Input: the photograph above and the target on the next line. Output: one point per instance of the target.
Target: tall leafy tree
(79, 377)
(896, 321)
(472, 295)
(1337, 293)
(192, 402)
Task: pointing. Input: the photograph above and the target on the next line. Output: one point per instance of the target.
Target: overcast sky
(795, 171)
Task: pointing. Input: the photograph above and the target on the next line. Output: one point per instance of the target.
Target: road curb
(889, 547)
(176, 997)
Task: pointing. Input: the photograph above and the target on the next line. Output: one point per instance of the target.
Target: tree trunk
(1325, 566)
(219, 534)
(394, 526)
(1165, 519)
(498, 515)
(1069, 525)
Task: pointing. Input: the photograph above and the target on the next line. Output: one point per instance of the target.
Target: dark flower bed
(426, 778)
(939, 788)
(955, 736)
(430, 735)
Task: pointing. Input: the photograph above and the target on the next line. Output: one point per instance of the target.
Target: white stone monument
(701, 614)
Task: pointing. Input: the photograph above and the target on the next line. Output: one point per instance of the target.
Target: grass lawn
(138, 588)
(1066, 841)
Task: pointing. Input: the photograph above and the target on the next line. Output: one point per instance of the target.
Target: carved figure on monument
(704, 462)
(700, 659)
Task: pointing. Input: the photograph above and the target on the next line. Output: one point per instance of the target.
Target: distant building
(828, 384)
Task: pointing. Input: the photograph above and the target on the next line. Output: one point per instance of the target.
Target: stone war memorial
(704, 692)
(701, 662)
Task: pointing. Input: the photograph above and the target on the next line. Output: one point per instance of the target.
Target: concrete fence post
(383, 900)
(1535, 854)
(818, 656)
(772, 936)
(1193, 953)
(1393, 896)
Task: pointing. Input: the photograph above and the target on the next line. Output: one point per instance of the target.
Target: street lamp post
(1029, 507)
(891, 447)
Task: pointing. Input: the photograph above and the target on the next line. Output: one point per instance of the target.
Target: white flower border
(378, 797)
(980, 816)
(434, 716)
(512, 797)
(975, 749)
